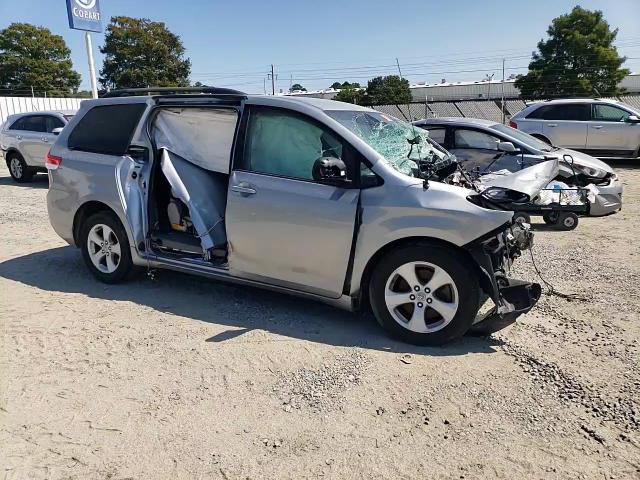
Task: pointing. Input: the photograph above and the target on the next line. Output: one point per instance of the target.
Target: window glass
(53, 122)
(17, 125)
(565, 111)
(609, 113)
(474, 139)
(32, 123)
(402, 146)
(107, 129)
(286, 144)
(436, 134)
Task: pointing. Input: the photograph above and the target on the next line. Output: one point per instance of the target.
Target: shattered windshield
(403, 146)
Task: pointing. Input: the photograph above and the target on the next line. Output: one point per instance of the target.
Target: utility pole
(273, 81)
(502, 103)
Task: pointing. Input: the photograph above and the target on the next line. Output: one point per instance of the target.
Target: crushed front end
(494, 254)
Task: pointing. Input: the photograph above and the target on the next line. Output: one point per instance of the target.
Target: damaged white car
(311, 197)
(486, 147)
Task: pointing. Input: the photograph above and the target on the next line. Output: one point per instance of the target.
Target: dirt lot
(185, 378)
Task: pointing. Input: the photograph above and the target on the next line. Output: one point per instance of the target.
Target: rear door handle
(45, 139)
(243, 189)
(597, 127)
(552, 124)
(19, 137)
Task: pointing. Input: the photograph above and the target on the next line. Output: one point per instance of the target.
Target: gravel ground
(186, 378)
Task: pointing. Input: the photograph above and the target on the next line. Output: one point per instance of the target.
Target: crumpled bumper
(608, 199)
(494, 254)
(517, 297)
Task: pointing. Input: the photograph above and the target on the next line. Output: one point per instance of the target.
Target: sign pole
(85, 15)
(92, 68)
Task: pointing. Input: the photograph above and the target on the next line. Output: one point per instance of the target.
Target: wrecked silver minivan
(311, 197)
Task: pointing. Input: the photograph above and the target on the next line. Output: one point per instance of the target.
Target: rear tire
(105, 247)
(18, 168)
(424, 294)
(567, 221)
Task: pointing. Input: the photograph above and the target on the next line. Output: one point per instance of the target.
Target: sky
(233, 44)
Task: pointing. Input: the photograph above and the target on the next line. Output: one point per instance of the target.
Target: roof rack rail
(214, 91)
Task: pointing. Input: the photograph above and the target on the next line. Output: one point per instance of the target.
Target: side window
(17, 125)
(437, 134)
(475, 139)
(609, 113)
(52, 123)
(107, 129)
(34, 123)
(565, 111)
(286, 144)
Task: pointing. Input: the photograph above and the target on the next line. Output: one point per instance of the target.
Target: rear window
(567, 111)
(107, 129)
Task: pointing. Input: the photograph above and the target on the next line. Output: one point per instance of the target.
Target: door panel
(30, 145)
(131, 181)
(566, 133)
(290, 232)
(609, 131)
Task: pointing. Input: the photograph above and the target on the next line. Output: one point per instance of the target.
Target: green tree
(391, 90)
(296, 87)
(578, 59)
(340, 86)
(32, 56)
(350, 95)
(142, 53)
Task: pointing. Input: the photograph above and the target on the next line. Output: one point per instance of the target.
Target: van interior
(189, 182)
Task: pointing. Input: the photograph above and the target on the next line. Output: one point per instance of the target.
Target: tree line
(577, 59)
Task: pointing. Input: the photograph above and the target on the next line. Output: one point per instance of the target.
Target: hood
(581, 159)
(528, 180)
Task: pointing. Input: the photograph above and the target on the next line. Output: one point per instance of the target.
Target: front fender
(442, 212)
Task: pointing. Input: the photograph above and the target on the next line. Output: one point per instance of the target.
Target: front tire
(18, 168)
(424, 294)
(105, 248)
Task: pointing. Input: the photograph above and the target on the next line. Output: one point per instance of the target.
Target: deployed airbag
(203, 192)
(202, 135)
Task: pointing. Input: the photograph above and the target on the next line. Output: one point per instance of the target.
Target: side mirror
(507, 147)
(56, 131)
(633, 119)
(330, 170)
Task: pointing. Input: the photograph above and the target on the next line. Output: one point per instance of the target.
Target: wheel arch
(85, 211)
(362, 297)
(12, 150)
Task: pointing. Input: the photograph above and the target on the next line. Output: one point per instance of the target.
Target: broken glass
(403, 146)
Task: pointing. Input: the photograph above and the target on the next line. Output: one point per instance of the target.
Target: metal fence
(487, 109)
(11, 105)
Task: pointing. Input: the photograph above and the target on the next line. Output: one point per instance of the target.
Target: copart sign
(84, 15)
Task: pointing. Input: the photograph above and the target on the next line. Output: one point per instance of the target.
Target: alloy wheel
(15, 165)
(104, 248)
(422, 297)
